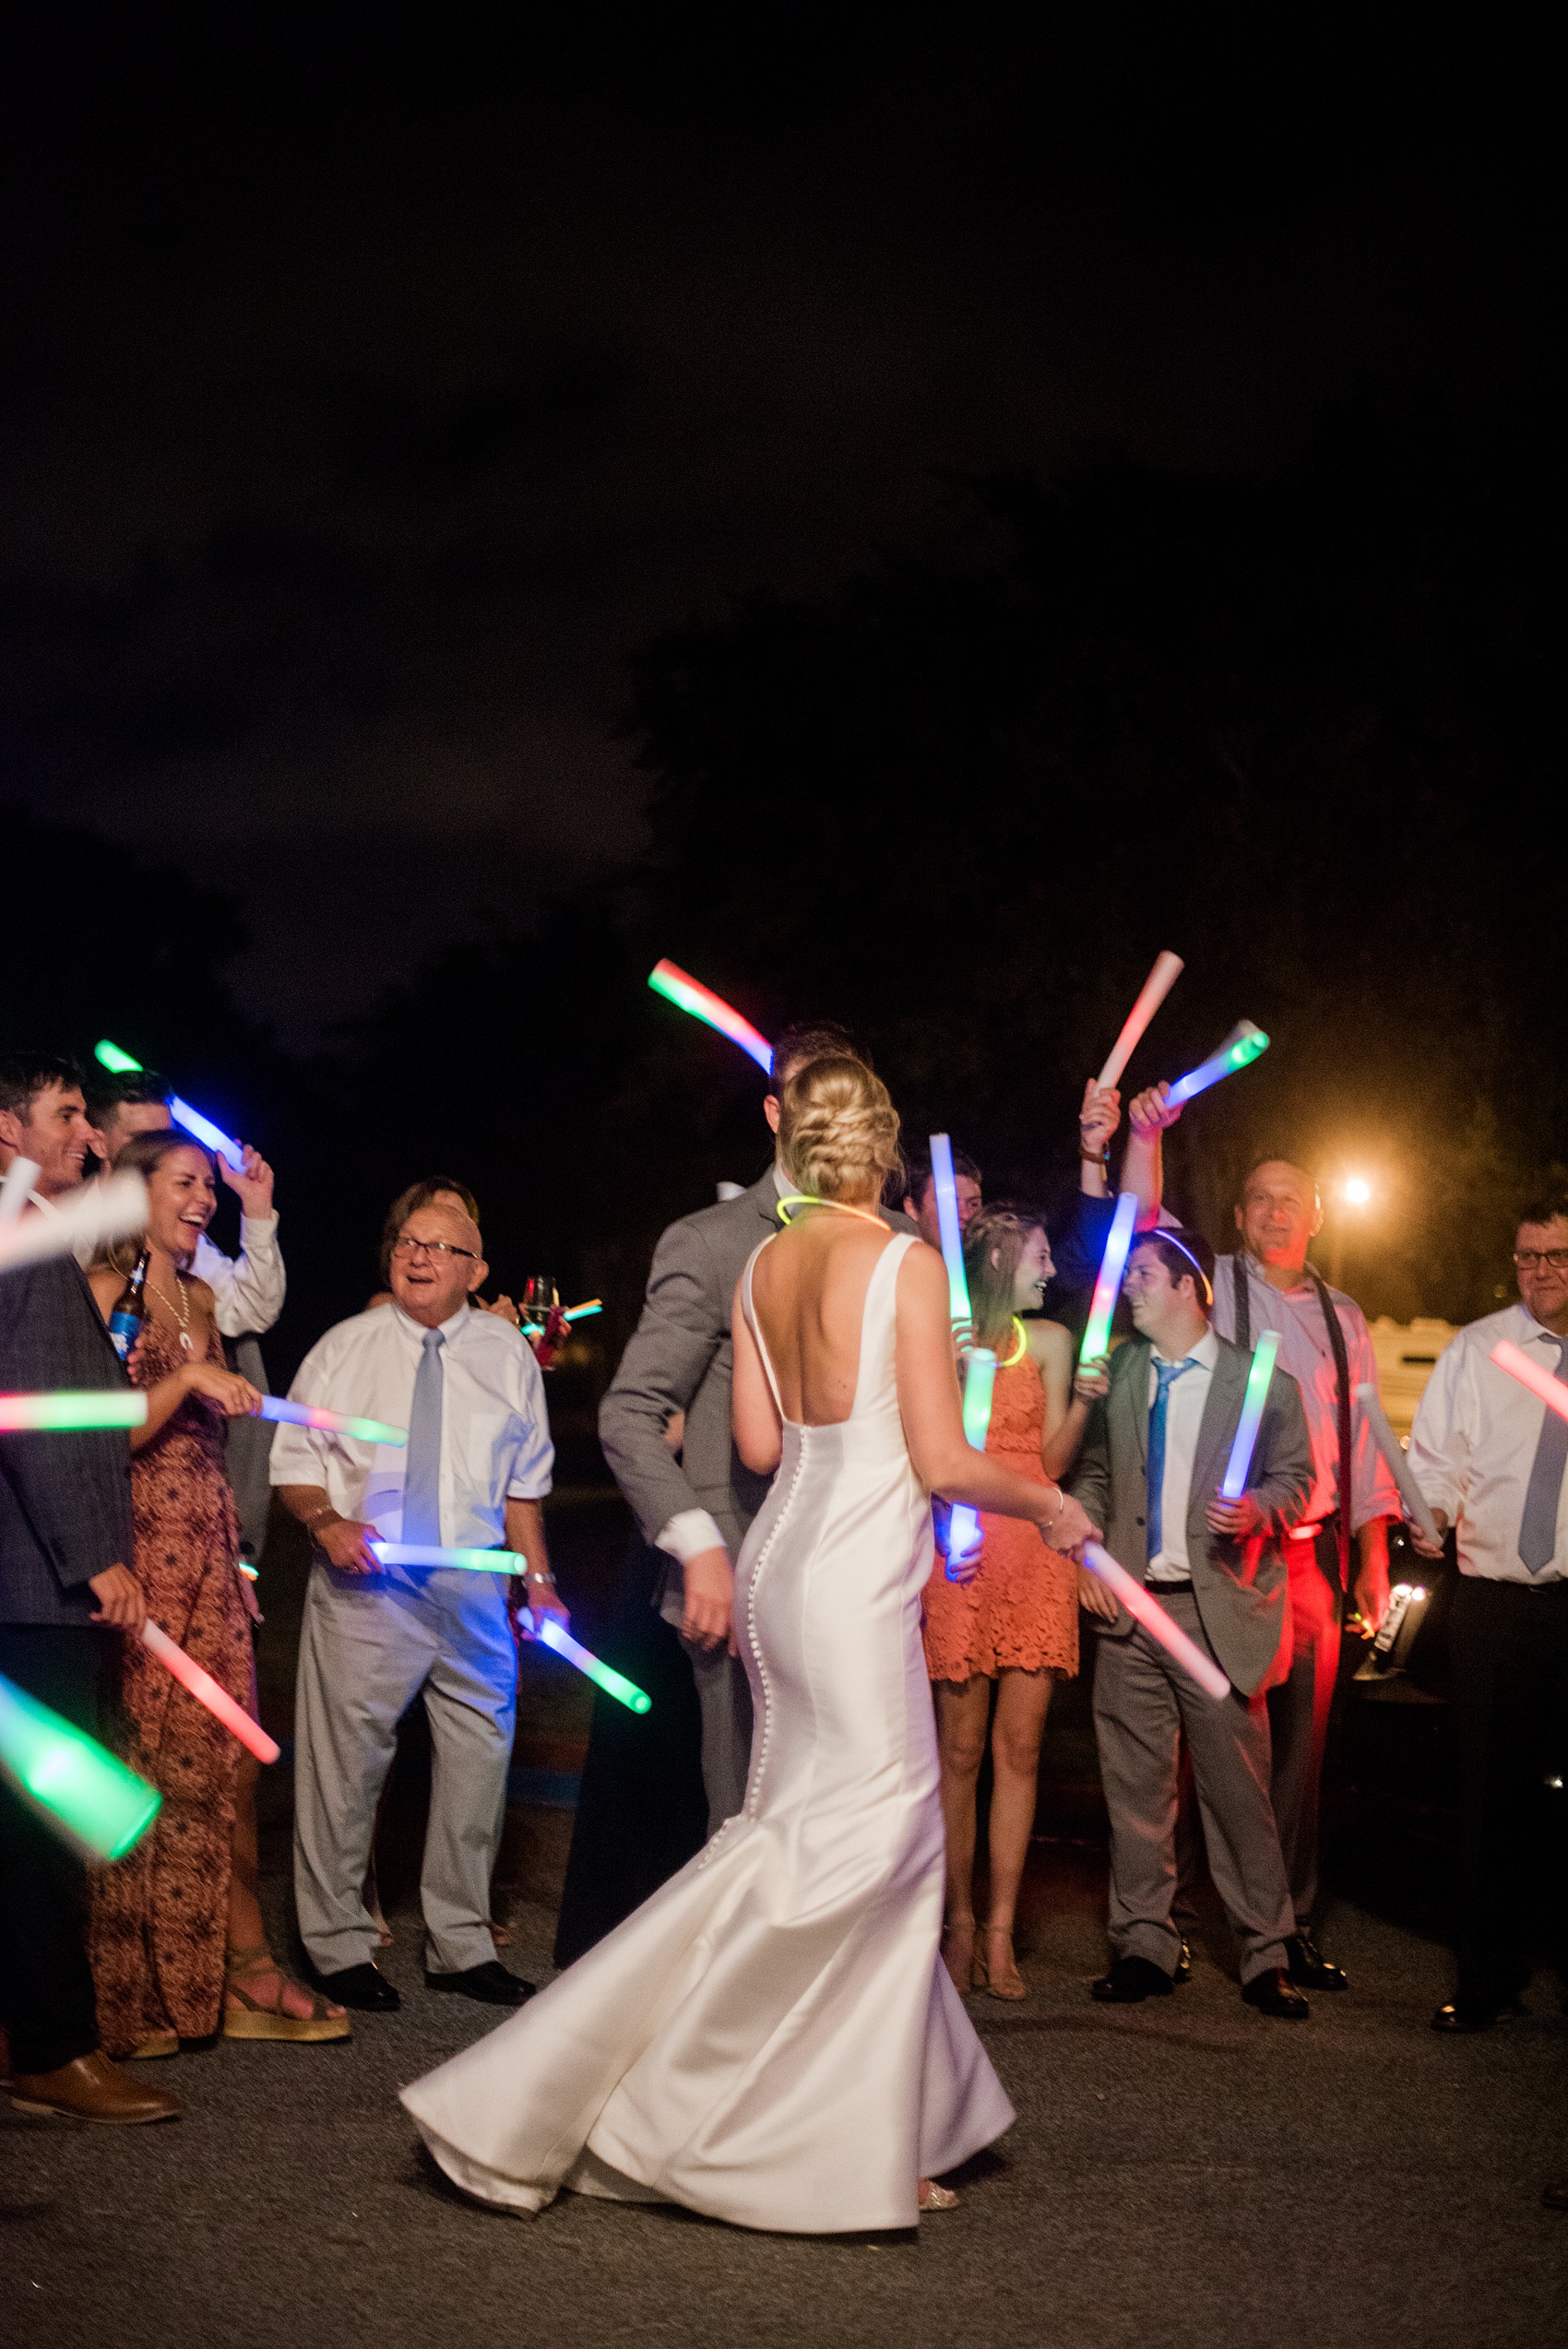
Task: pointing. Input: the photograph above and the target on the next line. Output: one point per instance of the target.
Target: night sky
(373, 391)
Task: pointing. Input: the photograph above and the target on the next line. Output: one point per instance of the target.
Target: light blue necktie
(422, 1484)
(1538, 1528)
(1165, 1372)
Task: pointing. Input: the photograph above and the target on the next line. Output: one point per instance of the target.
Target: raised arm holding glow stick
(1168, 969)
(1243, 1044)
(1107, 1281)
(1388, 1444)
(99, 1210)
(212, 1137)
(90, 1798)
(206, 1691)
(1238, 1468)
(1145, 1609)
(688, 994)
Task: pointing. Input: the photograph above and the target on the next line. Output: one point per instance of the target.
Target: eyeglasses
(432, 1248)
(1527, 1259)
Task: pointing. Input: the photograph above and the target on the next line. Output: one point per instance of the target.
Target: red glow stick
(1168, 969)
(688, 994)
(1145, 1608)
(206, 1690)
(1518, 1365)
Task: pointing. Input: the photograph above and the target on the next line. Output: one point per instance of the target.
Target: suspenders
(1241, 1291)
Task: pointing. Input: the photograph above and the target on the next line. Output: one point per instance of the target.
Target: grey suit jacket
(65, 1499)
(680, 1357)
(1240, 1587)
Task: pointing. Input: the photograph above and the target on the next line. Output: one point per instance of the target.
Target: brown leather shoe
(90, 2088)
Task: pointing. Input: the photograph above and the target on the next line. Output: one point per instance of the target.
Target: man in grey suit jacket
(696, 1508)
(1154, 1452)
(65, 1539)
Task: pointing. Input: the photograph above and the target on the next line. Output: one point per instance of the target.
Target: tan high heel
(958, 1953)
(1003, 1982)
(270, 2019)
(932, 2197)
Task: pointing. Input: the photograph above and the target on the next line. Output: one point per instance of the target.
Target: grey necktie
(422, 1484)
(1538, 1528)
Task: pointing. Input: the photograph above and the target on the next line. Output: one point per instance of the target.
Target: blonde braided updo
(837, 1129)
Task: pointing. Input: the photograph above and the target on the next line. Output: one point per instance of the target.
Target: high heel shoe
(1003, 1981)
(248, 2017)
(935, 2198)
(958, 1953)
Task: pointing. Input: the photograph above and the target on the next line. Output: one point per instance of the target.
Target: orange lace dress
(159, 1917)
(1020, 1612)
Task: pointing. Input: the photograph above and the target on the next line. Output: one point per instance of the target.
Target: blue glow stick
(425, 1553)
(952, 1230)
(1238, 1468)
(979, 1382)
(1245, 1043)
(1108, 1282)
(121, 1063)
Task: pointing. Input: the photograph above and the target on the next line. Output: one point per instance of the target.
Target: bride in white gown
(772, 2039)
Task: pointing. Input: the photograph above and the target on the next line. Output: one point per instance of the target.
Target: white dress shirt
(1184, 1402)
(1305, 1352)
(1473, 1445)
(247, 1289)
(495, 1442)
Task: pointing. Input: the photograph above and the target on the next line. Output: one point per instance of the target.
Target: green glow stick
(1108, 1283)
(96, 1802)
(424, 1553)
(113, 1407)
(980, 1382)
(1239, 1464)
(1243, 1044)
(613, 1683)
(108, 1056)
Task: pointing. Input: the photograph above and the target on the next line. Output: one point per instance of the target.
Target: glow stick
(206, 1690)
(112, 1408)
(315, 1415)
(1265, 1354)
(101, 1807)
(108, 1056)
(1411, 1494)
(688, 994)
(206, 1131)
(1518, 1365)
(14, 1191)
(980, 1380)
(581, 1313)
(952, 1230)
(1107, 1281)
(1245, 1043)
(99, 1210)
(1145, 1608)
(424, 1553)
(1168, 969)
(615, 1684)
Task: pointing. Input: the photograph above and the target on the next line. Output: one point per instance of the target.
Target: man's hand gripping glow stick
(688, 994)
(1245, 1043)
(206, 1690)
(549, 1632)
(98, 1211)
(211, 1136)
(92, 1800)
(1168, 969)
(1107, 1281)
(60, 1414)
(1239, 1466)
(315, 1415)
(423, 1553)
(1411, 1494)
(1146, 1609)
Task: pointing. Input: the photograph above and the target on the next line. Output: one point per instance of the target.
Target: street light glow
(1358, 1190)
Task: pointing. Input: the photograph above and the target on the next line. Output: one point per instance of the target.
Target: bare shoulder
(922, 1272)
(1049, 1342)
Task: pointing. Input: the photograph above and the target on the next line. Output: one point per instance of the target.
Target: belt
(1185, 1585)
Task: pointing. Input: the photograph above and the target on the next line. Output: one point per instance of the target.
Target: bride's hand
(708, 1620)
(1067, 1526)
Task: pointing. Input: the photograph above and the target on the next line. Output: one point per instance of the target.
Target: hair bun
(837, 1129)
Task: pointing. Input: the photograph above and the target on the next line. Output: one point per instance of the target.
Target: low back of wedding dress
(771, 2038)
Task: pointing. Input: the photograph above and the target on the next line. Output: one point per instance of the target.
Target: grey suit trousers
(1143, 1702)
(369, 1644)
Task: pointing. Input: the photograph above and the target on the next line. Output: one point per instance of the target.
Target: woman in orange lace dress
(1013, 1619)
(159, 1917)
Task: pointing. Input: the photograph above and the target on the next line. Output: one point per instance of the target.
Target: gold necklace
(807, 1199)
(183, 1309)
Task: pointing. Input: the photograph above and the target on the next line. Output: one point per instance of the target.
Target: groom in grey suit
(695, 1509)
(1154, 1453)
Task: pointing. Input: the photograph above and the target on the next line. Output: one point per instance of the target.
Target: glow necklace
(808, 1199)
(1014, 1360)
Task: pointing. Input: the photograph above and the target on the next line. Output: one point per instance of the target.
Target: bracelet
(1101, 1158)
(548, 1579)
(311, 1524)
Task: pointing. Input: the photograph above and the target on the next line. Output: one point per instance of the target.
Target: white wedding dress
(772, 2038)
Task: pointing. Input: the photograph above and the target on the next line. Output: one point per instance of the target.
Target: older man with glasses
(472, 1476)
(1490, 1458)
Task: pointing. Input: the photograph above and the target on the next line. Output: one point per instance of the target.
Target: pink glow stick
(1145, 1608)
(206, 1690)
(1518, 1365)
(689, 994)
(1168, 969)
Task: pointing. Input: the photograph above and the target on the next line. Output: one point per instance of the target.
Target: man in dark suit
(1154, 1452)
(64, 1537)
(693, 1502)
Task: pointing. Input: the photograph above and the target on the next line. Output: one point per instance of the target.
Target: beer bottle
(130, 1309)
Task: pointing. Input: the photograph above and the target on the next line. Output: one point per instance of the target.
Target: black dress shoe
(1183, 1973)
(488, 1982)
(1274, 1993)
(1462, 2015)
(1131, 1980)
(364, 1988)
(1309, 1969)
